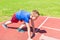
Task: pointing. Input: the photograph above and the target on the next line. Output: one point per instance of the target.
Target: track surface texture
(49, 24)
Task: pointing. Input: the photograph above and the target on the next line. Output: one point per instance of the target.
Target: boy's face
(34, 15)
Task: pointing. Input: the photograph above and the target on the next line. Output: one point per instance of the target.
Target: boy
(23, 16)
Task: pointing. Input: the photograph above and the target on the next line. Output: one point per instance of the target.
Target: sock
(8, 22)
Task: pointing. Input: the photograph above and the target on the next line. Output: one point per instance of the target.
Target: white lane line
(43, 22)
(55, 18)
(51, 28)
(43, 37)
(51, 17)
(46, 38)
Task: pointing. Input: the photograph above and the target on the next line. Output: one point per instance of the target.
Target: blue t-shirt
(23, 15)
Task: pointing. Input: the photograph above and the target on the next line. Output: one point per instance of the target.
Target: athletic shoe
(20, 30)
(4, 25)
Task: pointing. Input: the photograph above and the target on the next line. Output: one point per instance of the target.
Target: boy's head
(34, 14)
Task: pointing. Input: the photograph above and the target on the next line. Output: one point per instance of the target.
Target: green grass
(45, 7)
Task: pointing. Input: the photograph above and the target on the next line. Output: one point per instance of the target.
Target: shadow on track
(31, 29)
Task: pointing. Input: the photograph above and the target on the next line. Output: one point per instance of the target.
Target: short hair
(36, 11)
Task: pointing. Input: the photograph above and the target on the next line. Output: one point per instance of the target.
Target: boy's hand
(33, 35)
(29, 39)
(29, 34)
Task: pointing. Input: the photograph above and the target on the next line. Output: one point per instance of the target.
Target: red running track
(51, 25)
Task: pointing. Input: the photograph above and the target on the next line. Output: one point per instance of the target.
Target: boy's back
(23, 15)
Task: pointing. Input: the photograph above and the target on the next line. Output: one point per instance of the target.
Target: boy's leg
(6, 23)
(13, 20)
(21, 26)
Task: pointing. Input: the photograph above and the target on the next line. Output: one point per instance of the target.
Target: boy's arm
(32, 23)
(28, 28)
